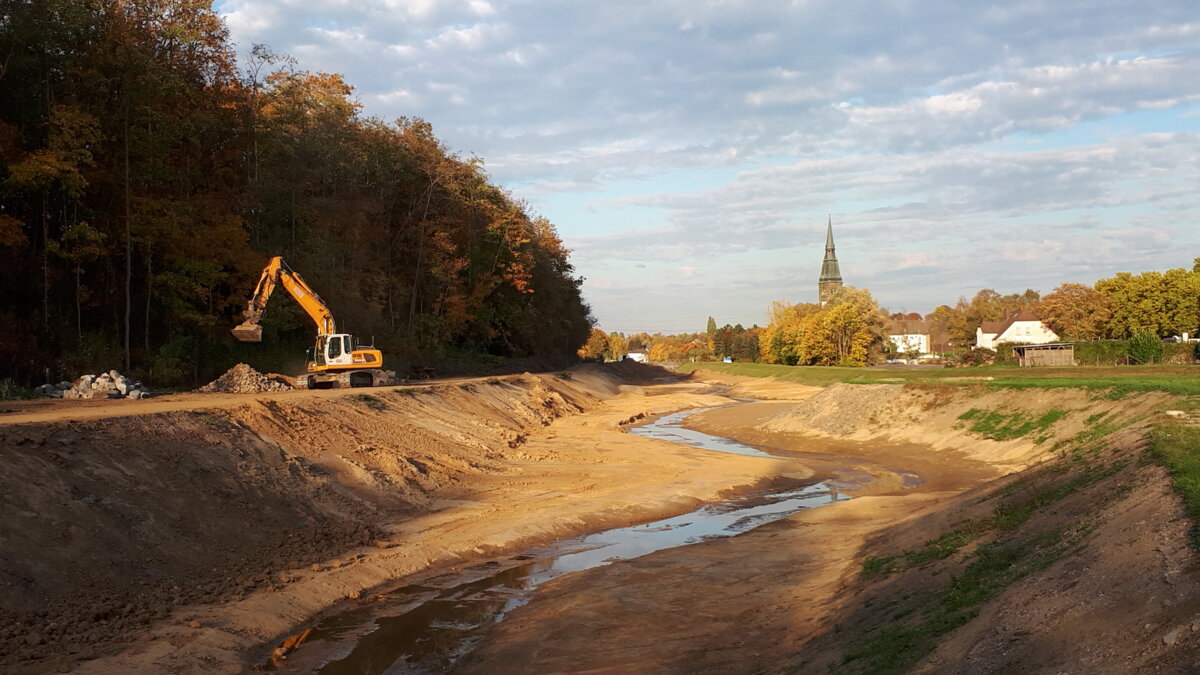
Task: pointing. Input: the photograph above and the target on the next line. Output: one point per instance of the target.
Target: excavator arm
(277, 273)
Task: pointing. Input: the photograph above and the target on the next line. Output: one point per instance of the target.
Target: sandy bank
(182, 540)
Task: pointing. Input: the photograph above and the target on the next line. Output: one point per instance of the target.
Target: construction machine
(338, 360)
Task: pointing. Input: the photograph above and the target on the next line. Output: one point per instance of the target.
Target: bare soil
(792, 596)
(183, 534)
(192, 533)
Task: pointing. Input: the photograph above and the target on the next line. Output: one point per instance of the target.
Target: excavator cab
(335, 350)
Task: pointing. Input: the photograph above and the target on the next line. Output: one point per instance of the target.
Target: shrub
(10, 390)
(1101, 352)
(979, 356)
(1145, 348)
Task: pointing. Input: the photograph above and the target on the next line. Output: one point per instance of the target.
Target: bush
(1145, 348)
(1101, 352)
(979, 356)
(1179, 352)
(10, 390)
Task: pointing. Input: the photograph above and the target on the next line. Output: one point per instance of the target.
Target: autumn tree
(145, 178)
(617, 347)
(1076, 311)
(848, 330)
(596, 345)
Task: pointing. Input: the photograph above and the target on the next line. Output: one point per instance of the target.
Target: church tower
(831, 276)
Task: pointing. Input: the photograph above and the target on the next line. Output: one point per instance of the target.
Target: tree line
(146, 175)
(851, 329)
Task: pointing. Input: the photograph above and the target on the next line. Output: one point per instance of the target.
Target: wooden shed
(1051, 354)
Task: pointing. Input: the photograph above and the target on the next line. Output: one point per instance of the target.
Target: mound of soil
(242, 379)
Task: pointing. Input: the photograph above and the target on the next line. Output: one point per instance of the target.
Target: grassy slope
(983, 555)
(1117, 380)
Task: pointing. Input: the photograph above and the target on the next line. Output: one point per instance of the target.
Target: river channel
(426, 627)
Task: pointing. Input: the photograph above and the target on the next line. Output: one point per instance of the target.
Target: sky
(690, 153)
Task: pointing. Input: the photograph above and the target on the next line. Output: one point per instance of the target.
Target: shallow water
(426, 627)
(670, 428)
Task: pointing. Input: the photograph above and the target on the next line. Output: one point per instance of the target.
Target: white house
(1022, 328)
(910, 335)
(910, 342)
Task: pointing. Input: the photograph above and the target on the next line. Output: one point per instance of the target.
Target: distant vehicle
(640, 357)
(727, 359)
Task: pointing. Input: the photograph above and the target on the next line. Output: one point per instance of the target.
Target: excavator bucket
(248, 332)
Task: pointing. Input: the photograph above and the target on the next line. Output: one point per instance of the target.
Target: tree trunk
(128, 248)
(149, 287)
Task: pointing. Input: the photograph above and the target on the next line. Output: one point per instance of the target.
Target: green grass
(370, 401)
(1004, 426)
(1177, 447)
(1111, 381)
(1006, 517)
(897, 644)
(910, 633)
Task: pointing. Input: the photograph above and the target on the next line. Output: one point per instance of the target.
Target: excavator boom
(277, 273)
(337, 358)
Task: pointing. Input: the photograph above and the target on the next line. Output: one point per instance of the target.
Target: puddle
(670, 428)
(426, 627)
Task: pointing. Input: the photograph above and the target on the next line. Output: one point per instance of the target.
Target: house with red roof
(1021, 327)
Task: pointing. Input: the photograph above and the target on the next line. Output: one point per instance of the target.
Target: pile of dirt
(242, 379)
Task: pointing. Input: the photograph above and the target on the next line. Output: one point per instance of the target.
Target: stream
(426, 627)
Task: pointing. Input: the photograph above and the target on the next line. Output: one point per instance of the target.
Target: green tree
(1162, 303)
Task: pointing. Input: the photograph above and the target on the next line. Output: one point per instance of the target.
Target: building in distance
(831, 275)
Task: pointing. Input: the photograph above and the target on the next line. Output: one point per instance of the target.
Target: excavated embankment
(112, 524)
(1073, 556)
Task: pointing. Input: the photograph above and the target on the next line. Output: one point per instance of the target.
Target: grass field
(1116, 381)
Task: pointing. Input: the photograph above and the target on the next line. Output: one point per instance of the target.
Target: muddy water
(427, 626)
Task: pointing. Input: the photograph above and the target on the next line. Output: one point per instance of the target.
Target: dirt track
(192, 533)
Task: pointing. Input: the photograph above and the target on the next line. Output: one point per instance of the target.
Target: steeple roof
(829, 267)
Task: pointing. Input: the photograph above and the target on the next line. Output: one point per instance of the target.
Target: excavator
(337, 361)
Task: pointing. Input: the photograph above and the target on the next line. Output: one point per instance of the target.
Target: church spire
(831, 275)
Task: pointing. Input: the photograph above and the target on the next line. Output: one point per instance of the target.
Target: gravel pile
(242, 379)
(105, 385)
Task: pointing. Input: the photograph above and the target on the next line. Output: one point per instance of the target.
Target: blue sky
(690, 152)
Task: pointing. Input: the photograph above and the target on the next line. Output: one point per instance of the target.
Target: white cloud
(923, 127)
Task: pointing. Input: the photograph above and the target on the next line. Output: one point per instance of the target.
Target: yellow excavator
(337, 361)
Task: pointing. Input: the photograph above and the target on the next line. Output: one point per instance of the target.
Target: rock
(316, 567)
(354, 595)
(138, 393)
(242, 379)
(193, 624)
(1172, 636)
(33, 639)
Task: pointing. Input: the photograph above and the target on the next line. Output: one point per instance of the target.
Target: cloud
(950, 142)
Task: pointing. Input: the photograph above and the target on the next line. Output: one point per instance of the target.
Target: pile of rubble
(242, 379)
(105, 385)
